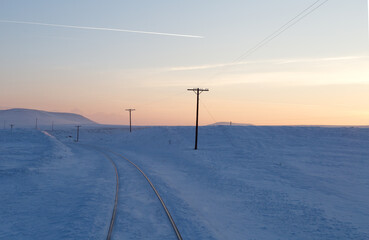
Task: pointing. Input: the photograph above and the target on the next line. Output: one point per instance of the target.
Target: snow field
(244, 182)
(49, 191)
(254, 182)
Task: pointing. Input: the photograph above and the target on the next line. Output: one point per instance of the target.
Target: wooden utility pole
(130, 118)
(36, 124)
(11, 128)
(77, 133)
(52, 126)
(197, 91)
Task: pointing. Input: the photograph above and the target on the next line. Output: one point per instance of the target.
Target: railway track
(112, 220)
(106, 154)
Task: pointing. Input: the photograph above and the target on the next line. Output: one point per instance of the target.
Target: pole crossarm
(199, 90)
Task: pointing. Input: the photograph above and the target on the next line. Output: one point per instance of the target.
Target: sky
(314, 73)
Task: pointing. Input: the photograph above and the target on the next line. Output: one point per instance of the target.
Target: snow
(27, 117)
(50, 192)
(244, 182)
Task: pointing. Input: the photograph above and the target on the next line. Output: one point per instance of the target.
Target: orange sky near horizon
(314, 73)
(323, 97)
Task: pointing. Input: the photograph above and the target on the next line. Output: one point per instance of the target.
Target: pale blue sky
(99, 72)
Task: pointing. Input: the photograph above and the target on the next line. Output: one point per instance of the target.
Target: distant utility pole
(52, 126)
(130, 118)
(197, 91)
(77, 133)
(11, 128)
(36, 124)
(4, 124)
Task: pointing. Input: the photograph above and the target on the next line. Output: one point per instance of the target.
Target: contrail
(102, 29)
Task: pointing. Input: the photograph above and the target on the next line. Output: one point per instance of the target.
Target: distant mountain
(27, 117)
(229, 123)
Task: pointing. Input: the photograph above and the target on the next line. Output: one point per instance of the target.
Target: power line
(282, 29)
(215, 121)
(307, 11)
(207, 110)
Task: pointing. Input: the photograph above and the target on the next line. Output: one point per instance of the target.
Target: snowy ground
(243, 183)
(50, 192)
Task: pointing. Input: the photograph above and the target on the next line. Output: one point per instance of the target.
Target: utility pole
(77, 133)
(130, 118)
(4, 124)
(52, 126)
(11, 128)
(197, 91)
(36, 124)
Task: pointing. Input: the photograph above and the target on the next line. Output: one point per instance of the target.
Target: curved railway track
(108, 237)
(105, 152)
(174, 226)
(112, 220)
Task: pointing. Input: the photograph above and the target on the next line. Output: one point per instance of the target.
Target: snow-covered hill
(230, 123)
(27, 117)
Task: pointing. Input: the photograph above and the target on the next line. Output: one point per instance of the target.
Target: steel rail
(104, 151)
(112, 220)
(178, 234)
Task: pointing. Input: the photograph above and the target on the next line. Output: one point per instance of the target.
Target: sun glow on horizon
(313, 74)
